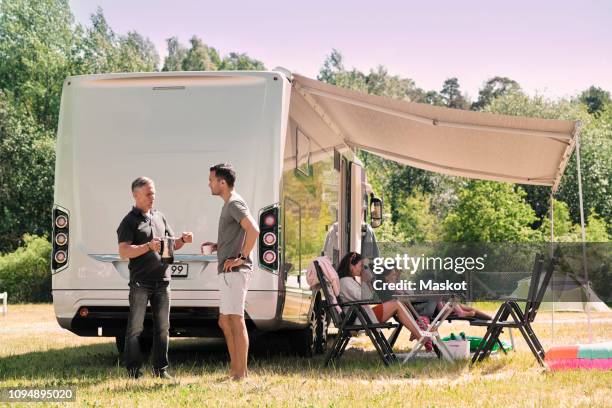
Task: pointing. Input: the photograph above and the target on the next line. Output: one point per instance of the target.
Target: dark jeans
(159, 295)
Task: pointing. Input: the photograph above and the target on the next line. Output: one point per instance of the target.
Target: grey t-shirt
(231, 235)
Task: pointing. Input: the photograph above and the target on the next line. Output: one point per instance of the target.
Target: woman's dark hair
(351, 258)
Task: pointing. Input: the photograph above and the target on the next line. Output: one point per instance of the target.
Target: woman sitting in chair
(351, 267)
(428, 308)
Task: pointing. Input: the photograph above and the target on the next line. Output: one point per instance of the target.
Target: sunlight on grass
(34, 351)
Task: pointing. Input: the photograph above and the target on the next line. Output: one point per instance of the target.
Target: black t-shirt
(137, 229)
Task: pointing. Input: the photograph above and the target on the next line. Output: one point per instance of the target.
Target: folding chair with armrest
(354, 319)
(510, 314)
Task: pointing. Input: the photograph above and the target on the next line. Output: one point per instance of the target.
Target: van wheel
(120, 342)
(303, 341)
(321, 326)
(313, 339)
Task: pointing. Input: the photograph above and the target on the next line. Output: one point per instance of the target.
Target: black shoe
(163, 374)
(134, 373)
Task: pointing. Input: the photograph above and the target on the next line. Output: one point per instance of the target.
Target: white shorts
(233, 288)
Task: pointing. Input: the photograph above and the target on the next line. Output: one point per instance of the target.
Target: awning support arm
(320, 112)
(583, 233)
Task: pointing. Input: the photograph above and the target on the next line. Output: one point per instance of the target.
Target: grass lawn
(34, 351)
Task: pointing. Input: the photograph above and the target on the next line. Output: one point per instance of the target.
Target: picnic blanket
(588, 356)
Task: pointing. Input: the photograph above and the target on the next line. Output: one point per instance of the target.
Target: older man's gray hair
(141, 182)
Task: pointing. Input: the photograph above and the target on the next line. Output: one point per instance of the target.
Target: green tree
(520, 104)
(564, 229)
(391, 181)
(200, 57)
(37, 50)
(100, 46)
(39, 47)
(595, 99)
(405, 181)
(332, 67)
(490, 212)
(596, 169)
(416, 221)
(377, 82)
(105, 51)
(451, 94)
(241, 61)
(494, 88)
(26, 175)
(596, 229)
(176, 55)
(432, 98)
(137, 54)
(380, 83)
(595, 153)
(26, 272)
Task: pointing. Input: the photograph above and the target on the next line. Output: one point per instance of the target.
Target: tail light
(59, 257)
(269, 257)
(268, 238)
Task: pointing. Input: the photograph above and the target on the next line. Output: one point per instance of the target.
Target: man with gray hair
(139, 236)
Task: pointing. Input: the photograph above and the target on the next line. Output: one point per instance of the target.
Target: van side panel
(310, 199)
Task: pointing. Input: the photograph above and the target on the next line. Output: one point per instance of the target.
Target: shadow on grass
(92, 364)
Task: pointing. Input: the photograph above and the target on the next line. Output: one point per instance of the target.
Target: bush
(26, 273)
(490, 211)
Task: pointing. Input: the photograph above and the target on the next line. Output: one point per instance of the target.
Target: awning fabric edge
(329, 101)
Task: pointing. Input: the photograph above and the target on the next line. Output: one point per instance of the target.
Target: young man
(139, 240)
(236, 238)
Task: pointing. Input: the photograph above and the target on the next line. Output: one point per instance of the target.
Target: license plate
(178, 270)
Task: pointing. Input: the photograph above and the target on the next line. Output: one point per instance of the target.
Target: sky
(555, 48)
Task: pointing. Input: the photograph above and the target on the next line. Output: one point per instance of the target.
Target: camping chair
(510, 315)
(354, 319)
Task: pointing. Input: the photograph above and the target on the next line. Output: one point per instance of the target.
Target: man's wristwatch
(240, 256)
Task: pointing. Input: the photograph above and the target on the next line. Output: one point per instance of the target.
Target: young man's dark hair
(226, 172)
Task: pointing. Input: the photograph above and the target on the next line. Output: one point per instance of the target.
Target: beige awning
(450, 141)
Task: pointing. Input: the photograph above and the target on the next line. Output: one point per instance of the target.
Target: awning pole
(583, 231)
(552, 221)
(552, 253)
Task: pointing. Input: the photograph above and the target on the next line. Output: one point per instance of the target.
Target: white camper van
(172, 127)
